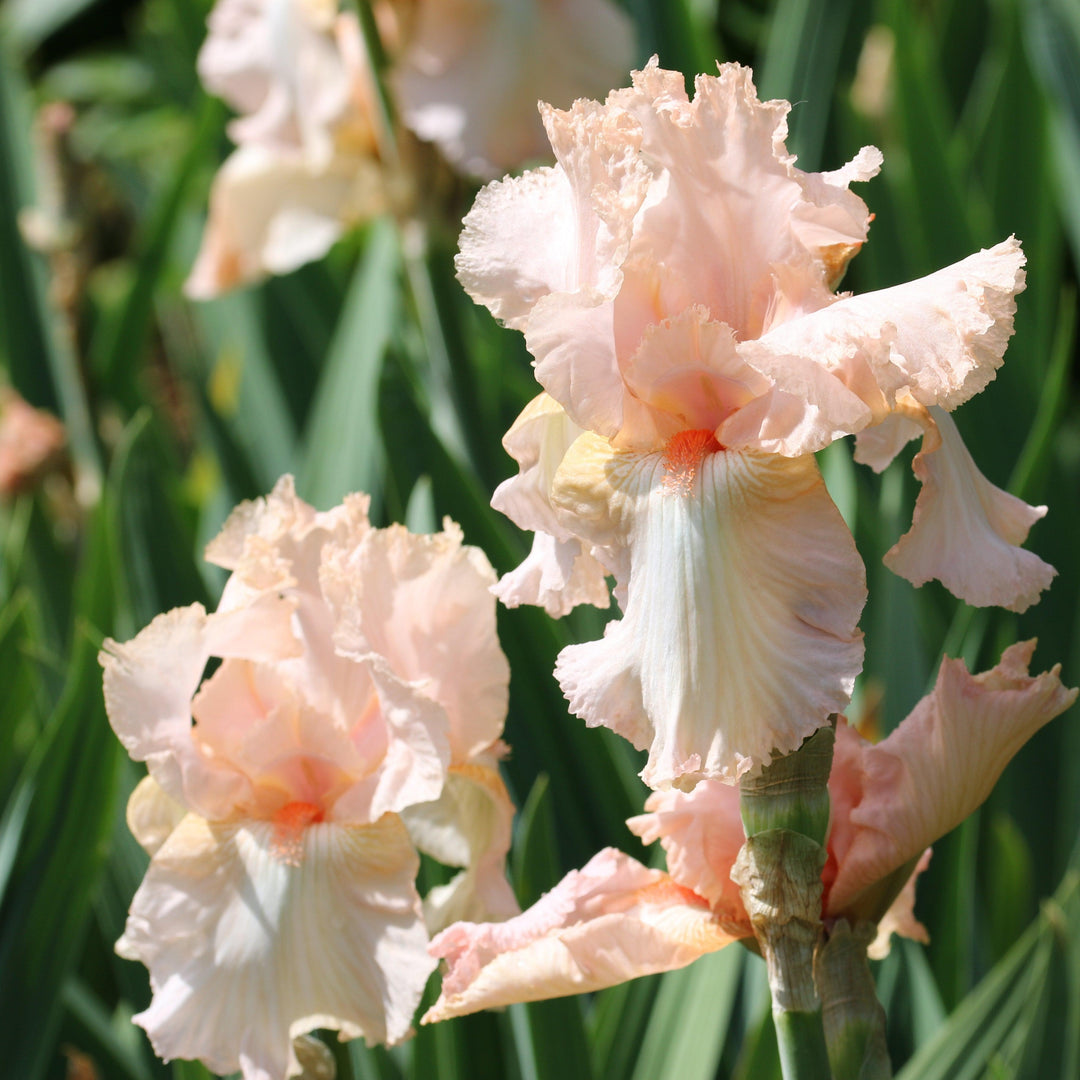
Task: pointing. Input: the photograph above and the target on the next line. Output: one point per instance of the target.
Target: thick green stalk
(785, 811)
(801, 1042)
(853, 1017)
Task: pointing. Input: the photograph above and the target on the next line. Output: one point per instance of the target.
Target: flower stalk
(785, 812)
(853, 1017)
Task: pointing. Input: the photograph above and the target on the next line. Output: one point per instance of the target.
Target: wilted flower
(472, 71)
(673, 277)
(354, 716)
(616, 919)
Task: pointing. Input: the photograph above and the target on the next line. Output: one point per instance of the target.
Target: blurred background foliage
(372, 370)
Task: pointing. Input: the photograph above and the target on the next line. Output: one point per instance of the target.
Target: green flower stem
(785, 812)
(853, 1017)
(801, 1042)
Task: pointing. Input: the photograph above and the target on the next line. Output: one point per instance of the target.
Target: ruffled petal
(468, 826)
(423, 604)
(939, 765)
(611, 921)
(728, 208)
(508, 279)
(900, 918)
(149, 684)
(537, 440)
(559, 573)
(877, 446)
(821, 390)
(734, 641)
(556, 575)
(406, 738)
(248, 950)
(940, 339)
(685, 376)
(282, 521)
(965, 531)
(701, 832)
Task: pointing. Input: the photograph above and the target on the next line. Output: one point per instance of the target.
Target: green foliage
(374, 371)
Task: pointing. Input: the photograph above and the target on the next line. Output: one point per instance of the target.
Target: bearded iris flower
(354, 719)
(674, 276)
(616, 919)
(308, 162)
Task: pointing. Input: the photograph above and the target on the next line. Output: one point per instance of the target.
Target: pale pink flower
(616, 919)
(472, 71)
(308, 163)
(673, 277)
(355, 715)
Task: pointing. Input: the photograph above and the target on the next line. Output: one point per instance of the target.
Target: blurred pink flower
(308, 160)
(31, 442)
(355, 716)
(311, 158)
(472, 71)
(616, 919)
(673, 277)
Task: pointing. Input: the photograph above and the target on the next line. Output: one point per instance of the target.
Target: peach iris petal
(538, 208)
(149, 685)
(425, 602)
(152, 815)
(965, 531)
(272, 211)
(940, 764)
(686, 375)
(900, 918)
(468, 827)
(473, 71)
(939, 339)
(559, 572)
(611, 921)
(556, 575)
(229, 932)
(701, 832)
(733, 641)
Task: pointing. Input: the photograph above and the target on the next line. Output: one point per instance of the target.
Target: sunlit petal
(965, 531)
(701, 832)
(734, 641)
(469, 827)
(940, 764)
(611, 921)
(240, 961)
